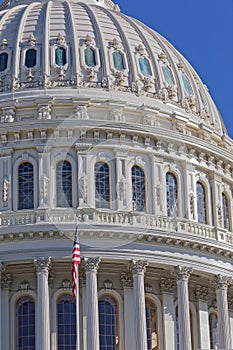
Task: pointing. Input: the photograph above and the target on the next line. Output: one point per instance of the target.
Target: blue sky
(202, 30)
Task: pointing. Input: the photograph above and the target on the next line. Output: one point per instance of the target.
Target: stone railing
(148, 223)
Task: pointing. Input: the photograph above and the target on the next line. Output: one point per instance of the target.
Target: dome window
(225, 211)
(3, 61)
(168, 75)
(201, 203)
(25, 186)
(90, 59)
(30, 58)
(138, 189)
(187, 85)
(102, 185)
(171, 192)
(144, 66)
(60, 56)
(64, 184)
(118, 60)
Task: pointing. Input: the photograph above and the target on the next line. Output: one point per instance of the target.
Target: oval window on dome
(30, 58)
(118, 60)
(3, 61)
(60, 56)
(168, 75)
(187, 85)
(144, 66)
(90, 59)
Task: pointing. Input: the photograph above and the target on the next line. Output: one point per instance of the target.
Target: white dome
(150, 67)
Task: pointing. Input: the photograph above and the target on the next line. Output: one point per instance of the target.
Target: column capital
(91, 264)
(201, 292)
(182, 273)
(167, 285)
(6, 280)
(2, 267)
(222, 282)
(126, 279)
(43, 264)
(138, 267)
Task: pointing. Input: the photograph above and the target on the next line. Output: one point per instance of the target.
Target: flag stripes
(76, 259)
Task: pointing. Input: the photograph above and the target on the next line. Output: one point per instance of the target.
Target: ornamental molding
(6, 280)
(66, 285)
(24, 286)
(43, 264)
(182, 273)
(108, 284)
(201, 292)
(167, 285)
(138, 267)
(127, 279)
(222, 282)
(5, 189)
(91, 264)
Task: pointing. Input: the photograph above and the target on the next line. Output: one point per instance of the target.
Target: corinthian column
(42, 266)
(138, 269)
(6, 282)
(91, 266)
(223, 314)
(2, 269)
(182, 277)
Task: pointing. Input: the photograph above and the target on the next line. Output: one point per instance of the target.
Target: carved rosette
(201, 292)
(222, 282)
(182, 273)
(126, 280)
(138, 267)
(167, 285)
(91, 264)
(43, 264)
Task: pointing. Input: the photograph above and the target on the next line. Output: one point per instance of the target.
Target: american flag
(75, 262)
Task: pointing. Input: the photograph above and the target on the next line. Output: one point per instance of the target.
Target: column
(223, 313)
(6, 282)
(182, 278)
(231, 320)
(2, 269)
(121, 179)
(169, 313)
(91, 266)
(5, 176)
(83, 335)
(43, 266)
(203, 313)
(129, 314)
(138, 269)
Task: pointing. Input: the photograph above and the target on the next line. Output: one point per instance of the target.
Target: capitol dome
(108, 131)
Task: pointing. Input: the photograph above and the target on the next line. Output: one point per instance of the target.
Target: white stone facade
(171, 258)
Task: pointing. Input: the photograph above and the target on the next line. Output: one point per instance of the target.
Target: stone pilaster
(182, 277)
(5, 282)
(129, 310)
(2, 269)
(121, 188)
(201, 295)
(44, 176)
(222, 283)
(138, 268)
(43, 266)
(167, 286)
(91, 266)
(86, 198)
(6, 183)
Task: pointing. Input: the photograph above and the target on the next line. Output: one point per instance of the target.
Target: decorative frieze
(201, 292)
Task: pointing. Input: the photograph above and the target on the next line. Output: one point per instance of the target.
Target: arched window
(213, 322)
(64, 184)
(25, 186)
(30, 58)
(102, 185)
(201, 203)
(144, 66)
(90, 59)
(108, 327)
(60, 56)
(187, 85)
(225, 211)
(66, 323)
(168, 75)
(3, 61)
(171, 191)
(151, 326)
(25, 319)
(138, 188)
(118, 60)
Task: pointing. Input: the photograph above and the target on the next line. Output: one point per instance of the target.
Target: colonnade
(134, 308)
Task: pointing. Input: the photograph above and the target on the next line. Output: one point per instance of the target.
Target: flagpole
(77, 312)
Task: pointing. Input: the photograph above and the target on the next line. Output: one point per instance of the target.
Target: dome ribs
(45, 52)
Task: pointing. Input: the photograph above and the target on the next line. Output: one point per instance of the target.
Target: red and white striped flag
(76, 259)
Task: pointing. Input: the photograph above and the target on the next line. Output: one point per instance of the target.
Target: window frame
(110, 184)
(145, 188)
(177, 193)
(205, 203)
(56, 191)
